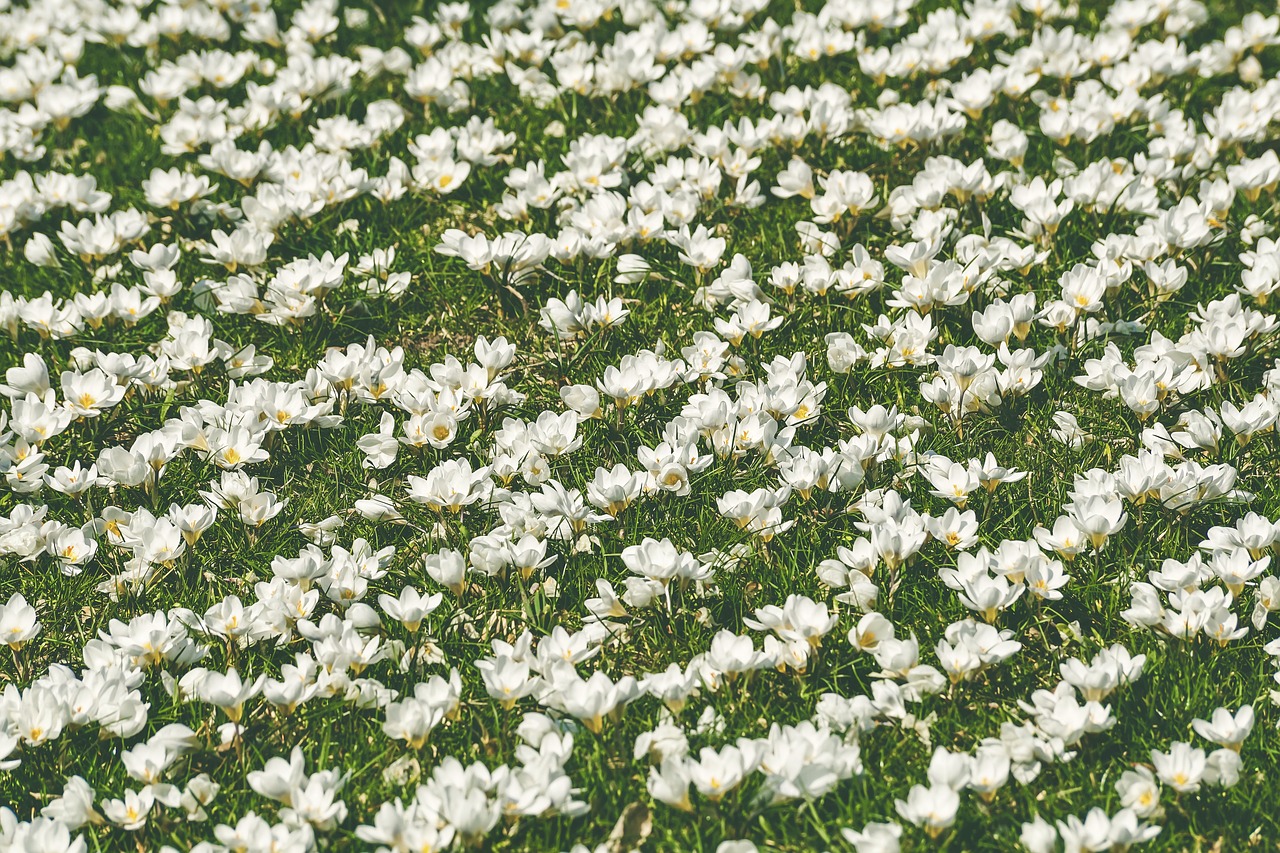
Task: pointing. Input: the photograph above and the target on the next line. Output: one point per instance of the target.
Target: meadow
(613, 425)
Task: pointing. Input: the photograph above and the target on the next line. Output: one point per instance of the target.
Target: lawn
(611, 425)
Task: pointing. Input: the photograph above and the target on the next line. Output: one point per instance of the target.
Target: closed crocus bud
(582, 399)
(736, 847)
(1250, 70)
(632, 269)
(123, 99)
(39, 251)
(875, 838)
(1038, 836)
(397, 61)
(120, 98)
(843, 352)
(1223, 768)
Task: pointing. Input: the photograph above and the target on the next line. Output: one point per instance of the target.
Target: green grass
(448, 306)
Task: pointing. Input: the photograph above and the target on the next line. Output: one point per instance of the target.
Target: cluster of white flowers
(561, 530)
